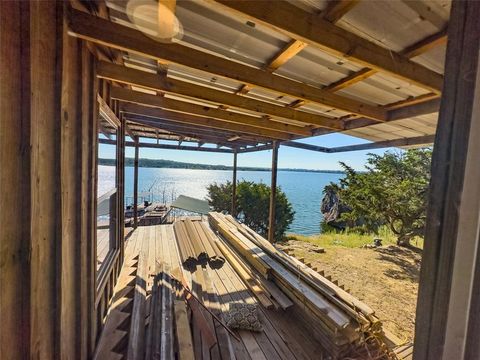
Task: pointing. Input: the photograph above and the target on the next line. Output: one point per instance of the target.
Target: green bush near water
(253, 202)
(393, 192)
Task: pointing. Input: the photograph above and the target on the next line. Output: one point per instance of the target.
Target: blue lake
(303, 189)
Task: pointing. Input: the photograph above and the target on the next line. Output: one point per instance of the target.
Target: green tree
(253, 201)
(393, 191)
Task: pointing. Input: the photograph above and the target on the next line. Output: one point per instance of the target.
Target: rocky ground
(386, 278)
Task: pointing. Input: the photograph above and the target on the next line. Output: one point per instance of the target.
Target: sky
(287, 157)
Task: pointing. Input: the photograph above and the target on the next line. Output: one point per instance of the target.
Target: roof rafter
(200, 121)
(336, 9)
(204, 111)
(189, 131)
(170, 147)
(416, 49)
(162, 83)
(307, 27)
(97, 30)
(289, 51)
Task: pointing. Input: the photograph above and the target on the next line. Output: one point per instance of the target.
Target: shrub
(253, 202)
(393, 191)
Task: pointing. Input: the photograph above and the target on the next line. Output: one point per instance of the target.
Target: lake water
(303, 189)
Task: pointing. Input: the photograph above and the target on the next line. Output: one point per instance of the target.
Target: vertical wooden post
(273, 193)
(447, 322)
(121, 186)
(234, 185)
(135, 185)
(15, 182)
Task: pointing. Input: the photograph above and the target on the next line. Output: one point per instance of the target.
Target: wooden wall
(48, 151)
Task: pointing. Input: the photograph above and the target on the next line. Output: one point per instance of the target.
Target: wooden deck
(103, 244)
(152, 247)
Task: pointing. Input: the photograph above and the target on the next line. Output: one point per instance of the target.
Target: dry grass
(385, 278)
(352, 239)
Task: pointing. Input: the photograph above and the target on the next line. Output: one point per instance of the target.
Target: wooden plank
(184, 337)
(309, 28)
(138, 97)
(158, 82)
(333, 315)
(243, 272)
(136, 343)
(289, 51)
(120, 37)
(107, 112)
(242, 247)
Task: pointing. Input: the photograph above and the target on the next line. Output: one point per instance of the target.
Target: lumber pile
(338, 319)
(196, 246)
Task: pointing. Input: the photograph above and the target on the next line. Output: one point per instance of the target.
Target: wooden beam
(169, 146)
(107, 112)
(189, 135)
(162, 83)
(289, 51)
(416, 49)
(307, 27)
(121, 37)
(201, 121)
(198, 133)
(423, 108)
(424, 45)
(273, 193)
(350, 79)
(204, 111)
(336, 9)
(411, 101)
(233, 210)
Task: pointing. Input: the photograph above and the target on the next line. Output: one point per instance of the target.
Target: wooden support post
(234, 185)
(135, 185)
(447, 322)
(121, 186)
(273, 193)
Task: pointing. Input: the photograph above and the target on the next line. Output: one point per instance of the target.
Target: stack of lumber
(196, 246)
(337, 319)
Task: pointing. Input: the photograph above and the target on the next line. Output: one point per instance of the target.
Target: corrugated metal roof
(392, 24)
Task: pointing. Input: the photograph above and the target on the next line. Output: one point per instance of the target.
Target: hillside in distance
(161, 163)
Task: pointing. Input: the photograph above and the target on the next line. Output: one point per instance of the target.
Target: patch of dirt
(385, 278)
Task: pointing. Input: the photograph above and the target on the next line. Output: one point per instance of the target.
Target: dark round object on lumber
(202, 259)
(216, 262)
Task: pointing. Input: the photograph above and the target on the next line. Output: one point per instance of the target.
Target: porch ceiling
(251, 72)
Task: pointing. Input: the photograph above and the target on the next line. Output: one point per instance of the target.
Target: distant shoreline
(169, 164)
